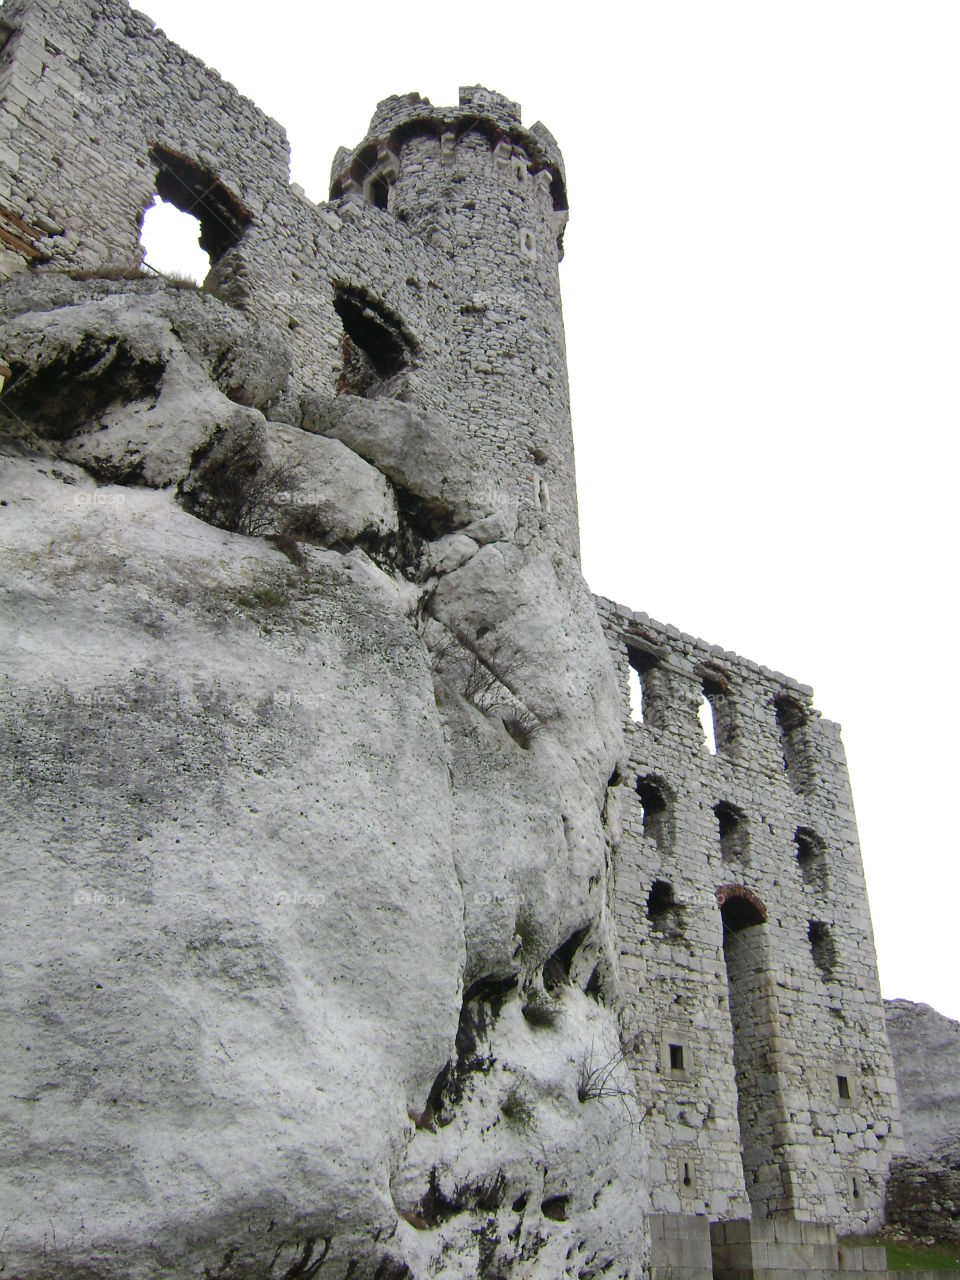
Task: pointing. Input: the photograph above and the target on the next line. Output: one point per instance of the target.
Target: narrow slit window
(793, 724)
(843, 1088)
(676, 1064)
(705, 712)
(716, 693)
(664, 912)
(811, 859)
(732, 829)
(635, 687)
(822, 948)
(655, 811)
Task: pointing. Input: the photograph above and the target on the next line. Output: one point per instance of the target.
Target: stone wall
(99, 112)
(765, 825)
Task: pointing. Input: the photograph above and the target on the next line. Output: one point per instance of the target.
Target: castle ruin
(419, 313)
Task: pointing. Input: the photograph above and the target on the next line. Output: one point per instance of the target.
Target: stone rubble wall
(465, 255)
(817, 1025)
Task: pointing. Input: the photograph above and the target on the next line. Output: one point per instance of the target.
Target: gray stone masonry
(446, 222)
(785, 1248)
(752, 1011)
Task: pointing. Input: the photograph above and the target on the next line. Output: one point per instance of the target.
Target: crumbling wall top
(693, 652)
(404, 116)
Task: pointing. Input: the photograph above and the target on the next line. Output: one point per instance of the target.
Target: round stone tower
(489, 198)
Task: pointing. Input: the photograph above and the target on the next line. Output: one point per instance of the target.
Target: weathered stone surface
(924, 1190)
(325, 490)
(132, 379)
(414, 450)
(269, 815)
(235, 928)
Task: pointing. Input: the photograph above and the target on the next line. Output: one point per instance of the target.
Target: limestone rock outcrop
(308, 810)
(923, 1193)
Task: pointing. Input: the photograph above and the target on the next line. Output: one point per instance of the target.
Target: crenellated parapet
(372, 169)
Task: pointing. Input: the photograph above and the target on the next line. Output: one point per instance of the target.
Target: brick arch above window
(740, 907)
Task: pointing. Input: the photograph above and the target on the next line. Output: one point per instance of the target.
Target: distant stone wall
(924, 1189)
(455, 243)
(766, 828)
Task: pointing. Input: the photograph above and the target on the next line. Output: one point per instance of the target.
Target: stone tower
(489, 196)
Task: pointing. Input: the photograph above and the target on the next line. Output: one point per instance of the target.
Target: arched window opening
(663, 911)
(705, 712)
(647, 686)
(170, 240)
(740, 908)
(717, 699)
(792, 721)
(754, 1021)
(635, 693)
(732, 828)
(811, 859)
(195, 190)
(822, 948)
(655, 809)
(376, 346)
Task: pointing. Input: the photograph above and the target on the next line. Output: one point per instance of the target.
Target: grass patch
(911, 1255)
(517, 1108)
(108, 272)
(264, 598)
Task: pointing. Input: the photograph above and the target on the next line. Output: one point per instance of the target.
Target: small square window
(676, 1055)
(843, 1088)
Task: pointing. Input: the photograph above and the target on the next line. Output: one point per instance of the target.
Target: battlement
(371, 168)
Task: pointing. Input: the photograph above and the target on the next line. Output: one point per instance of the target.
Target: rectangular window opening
(843, 1087)
(676, 1057)
(643, 696)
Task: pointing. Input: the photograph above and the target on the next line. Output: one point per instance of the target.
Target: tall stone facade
(753, 1015)
(600, 869)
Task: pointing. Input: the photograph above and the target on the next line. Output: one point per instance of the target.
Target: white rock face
(305, 855)
(926, 1055)
(923, 1194)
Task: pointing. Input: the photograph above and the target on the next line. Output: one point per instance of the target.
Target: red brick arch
(740, 906)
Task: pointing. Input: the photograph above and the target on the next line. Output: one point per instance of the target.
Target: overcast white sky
(761, 292)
